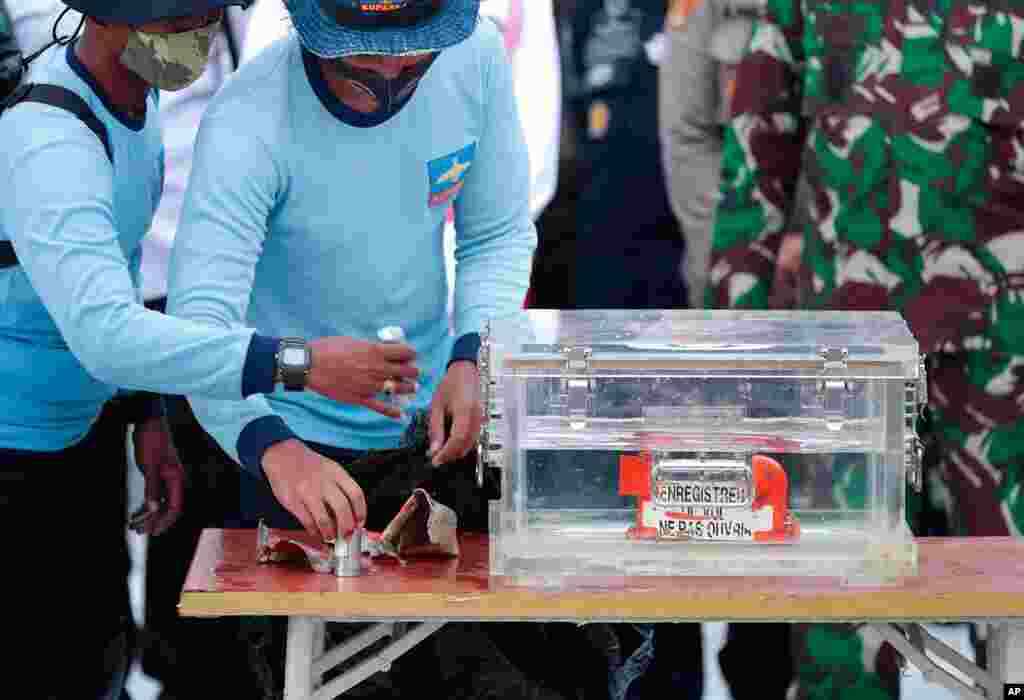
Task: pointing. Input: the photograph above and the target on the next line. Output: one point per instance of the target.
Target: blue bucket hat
(136, 12)
(336, 28)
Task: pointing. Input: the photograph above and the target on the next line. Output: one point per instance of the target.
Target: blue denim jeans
(676, 670)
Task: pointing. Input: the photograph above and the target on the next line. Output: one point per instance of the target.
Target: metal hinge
(834, 390)
(834, 359)
(576, 359)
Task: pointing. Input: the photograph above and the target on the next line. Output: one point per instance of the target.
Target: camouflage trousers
(974, 464)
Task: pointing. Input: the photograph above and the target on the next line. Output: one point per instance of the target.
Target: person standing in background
(628, 242)
(904, 121)
(627, 254)
(705, 40)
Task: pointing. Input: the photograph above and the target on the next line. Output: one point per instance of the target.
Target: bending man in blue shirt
(72, 215)
(322, 174)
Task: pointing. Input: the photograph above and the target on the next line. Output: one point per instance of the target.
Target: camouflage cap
(139, 12)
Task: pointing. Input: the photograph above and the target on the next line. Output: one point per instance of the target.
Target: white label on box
(732, 525)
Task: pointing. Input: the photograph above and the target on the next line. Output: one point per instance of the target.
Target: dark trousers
(193, 657)
(66, 565)
(757, 660)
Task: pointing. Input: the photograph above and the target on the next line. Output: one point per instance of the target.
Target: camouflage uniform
(904, 117)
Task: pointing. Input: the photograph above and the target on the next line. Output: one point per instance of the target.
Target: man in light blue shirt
(76, 197)
(71, 329)
(320, 182)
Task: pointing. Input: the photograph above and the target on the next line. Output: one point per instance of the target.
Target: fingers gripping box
(701, 443)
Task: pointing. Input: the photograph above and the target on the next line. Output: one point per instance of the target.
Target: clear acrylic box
(701, 443)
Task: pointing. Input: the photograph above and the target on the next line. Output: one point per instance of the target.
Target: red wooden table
(977, 579)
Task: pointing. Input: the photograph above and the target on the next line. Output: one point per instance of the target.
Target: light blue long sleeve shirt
(306, 218)
(71, 330)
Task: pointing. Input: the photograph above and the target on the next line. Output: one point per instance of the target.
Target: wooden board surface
(961, 579)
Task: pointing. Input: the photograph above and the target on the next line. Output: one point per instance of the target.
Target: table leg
(319, 646)
(298, 668)
(1006, 652)
(913, 642)
(379, 662)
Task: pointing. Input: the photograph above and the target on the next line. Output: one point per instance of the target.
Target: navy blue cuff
(260, 365)
(467, 347)
(256, 438)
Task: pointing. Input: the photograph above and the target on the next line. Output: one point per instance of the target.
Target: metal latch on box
(915, 402)
(577, 398)
(922, 384)
(489, 449)
(834, 388)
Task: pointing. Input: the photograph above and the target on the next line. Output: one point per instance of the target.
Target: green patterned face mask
(169, 61)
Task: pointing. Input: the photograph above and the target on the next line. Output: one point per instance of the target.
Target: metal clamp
(913, 462)
(834, 359)
(834, 390)
(922, 383)
(576, 359)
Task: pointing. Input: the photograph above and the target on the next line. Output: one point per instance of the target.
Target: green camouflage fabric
(904, 118)
(169, 61)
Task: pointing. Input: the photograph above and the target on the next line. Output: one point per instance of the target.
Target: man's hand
(165, 478)
(356, 371)
(457, 396)
(325, 499)
(785, 292)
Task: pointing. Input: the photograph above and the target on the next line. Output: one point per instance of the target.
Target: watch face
(293, 357)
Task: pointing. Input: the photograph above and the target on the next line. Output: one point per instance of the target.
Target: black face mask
(390, 94)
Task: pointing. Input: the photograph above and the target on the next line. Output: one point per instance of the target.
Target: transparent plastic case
(701, 443)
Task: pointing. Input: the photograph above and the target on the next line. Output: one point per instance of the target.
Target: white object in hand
(395, 334)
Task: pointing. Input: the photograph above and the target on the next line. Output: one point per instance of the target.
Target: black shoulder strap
(230, 39)
(55, 96)
(7, 256)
